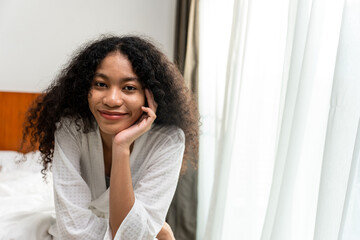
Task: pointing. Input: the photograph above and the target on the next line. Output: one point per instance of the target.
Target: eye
(100, 84)
(129, 88)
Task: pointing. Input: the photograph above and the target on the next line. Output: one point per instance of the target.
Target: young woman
(115, 127)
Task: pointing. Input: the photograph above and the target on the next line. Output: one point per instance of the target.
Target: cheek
(139, 102)
(143, 99)
(143, 102)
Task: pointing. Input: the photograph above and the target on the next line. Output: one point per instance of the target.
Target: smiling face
(116, 95)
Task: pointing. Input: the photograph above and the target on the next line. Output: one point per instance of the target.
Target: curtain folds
(349, 229)
(192, 49)
(181, 32)
(187, 41)
(280, 104)
(298, 161)
(336, 204)
(226, 138)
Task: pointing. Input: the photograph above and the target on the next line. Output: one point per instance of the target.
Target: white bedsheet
(26, 200)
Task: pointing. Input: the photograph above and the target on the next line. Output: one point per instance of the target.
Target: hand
(165, 233)
(126, 137)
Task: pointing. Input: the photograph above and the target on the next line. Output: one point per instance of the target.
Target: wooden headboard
(13, 106)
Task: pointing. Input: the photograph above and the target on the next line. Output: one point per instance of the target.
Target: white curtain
(279, 97)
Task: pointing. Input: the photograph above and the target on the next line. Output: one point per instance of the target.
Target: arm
(147, 201)
(155, 185)
(122, 196)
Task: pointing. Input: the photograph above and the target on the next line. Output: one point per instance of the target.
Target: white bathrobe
(80, 194)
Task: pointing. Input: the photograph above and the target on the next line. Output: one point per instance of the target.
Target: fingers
(149, 111)
(150, 99)
(149, 115)
(142, 125)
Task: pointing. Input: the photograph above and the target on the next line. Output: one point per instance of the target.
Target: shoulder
(75, 124)
(69, 128)
(167, 133)
(163, 139)
(160, 146)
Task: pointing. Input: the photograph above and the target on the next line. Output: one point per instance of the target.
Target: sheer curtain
(279, 88)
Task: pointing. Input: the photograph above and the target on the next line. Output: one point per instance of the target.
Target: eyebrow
(97, 74)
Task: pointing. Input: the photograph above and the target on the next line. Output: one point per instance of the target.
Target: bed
(25, 198)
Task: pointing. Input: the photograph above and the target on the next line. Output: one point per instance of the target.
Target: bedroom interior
(158, 21)
(22, 187)
(279, 102)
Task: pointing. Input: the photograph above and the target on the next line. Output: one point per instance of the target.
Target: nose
(113, 98)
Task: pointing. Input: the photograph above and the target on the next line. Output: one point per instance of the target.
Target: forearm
(122, 196)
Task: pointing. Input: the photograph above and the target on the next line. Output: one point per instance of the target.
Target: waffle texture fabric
(80, 193)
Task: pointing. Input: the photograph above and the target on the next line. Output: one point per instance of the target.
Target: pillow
(23, 192)
(11, 160)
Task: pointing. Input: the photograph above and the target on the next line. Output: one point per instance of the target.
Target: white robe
(80, 194)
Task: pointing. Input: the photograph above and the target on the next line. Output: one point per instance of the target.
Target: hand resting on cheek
(125, 138)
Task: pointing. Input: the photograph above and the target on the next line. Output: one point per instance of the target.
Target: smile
(112, 115)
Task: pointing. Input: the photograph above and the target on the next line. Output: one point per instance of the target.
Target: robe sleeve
(155, 189)
(72, 195)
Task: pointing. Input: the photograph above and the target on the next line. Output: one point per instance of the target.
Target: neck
(106, 140)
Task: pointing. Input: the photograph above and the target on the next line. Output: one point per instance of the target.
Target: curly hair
(67, 96)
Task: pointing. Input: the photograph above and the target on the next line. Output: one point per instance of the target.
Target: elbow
(138, 222)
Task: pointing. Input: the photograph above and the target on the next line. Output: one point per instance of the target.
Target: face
(116, 95)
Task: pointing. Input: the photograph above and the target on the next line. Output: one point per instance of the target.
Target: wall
(38, 37)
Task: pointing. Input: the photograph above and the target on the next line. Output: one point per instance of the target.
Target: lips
(112, 115)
